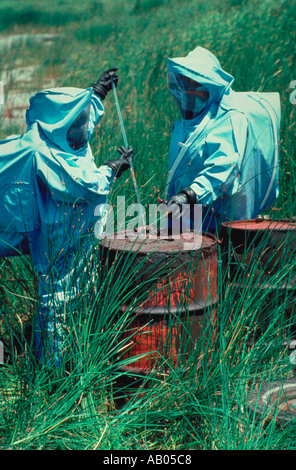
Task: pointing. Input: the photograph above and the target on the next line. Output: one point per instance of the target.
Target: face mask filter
(77, 134)
(191, 97)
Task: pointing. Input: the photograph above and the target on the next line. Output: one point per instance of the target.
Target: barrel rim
(137, 245)
(259, 225)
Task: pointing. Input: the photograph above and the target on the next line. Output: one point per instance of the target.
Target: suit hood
(203, 67)
(56, 110)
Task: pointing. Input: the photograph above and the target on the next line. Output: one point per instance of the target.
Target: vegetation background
(206, 407)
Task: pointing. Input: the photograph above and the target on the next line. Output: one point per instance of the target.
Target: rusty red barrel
(179, 278)
(261, 254)
(259, 245)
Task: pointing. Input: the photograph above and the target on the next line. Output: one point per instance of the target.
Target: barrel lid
(131, 241)
(275, 399)
(260, 225)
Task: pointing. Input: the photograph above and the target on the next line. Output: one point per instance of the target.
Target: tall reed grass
(88, 403)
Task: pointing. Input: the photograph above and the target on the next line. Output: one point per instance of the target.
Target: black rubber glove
(186, 196)
(121, 164)
(104, 84)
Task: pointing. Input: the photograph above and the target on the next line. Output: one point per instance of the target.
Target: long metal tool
(130, 159)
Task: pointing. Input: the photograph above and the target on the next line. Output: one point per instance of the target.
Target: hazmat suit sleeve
(224, 150)
(96, 113)
(72, 181)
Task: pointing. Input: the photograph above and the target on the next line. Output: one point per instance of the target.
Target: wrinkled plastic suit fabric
(49, 192)
(229, 153)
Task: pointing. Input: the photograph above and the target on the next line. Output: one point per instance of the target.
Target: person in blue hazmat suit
(50, 187)
(224, 150)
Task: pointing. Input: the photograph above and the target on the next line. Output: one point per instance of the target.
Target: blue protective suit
(228, 154)
(50, 187)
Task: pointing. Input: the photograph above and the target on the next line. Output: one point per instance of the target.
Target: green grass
(206, 406)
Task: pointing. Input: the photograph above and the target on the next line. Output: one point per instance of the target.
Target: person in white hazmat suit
(224, 151)
(50, 189)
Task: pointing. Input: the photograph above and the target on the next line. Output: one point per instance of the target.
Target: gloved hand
(186, 196)
(104, 84)
(121, 164)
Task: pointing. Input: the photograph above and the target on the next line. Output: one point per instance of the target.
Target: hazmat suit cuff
(98, 105)
(203, 194)
(108, 172)
(191, 195)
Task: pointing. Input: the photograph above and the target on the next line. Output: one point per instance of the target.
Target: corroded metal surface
(169, 318)
(132, 241)
(156, 340)
(260, 255)
(263, 247)
(260, 224)
(184, 277)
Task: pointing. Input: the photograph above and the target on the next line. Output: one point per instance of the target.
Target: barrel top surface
(128, 240)
(260, 225)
